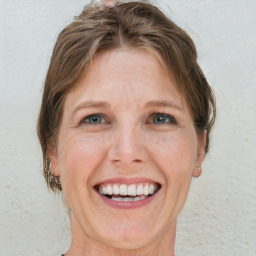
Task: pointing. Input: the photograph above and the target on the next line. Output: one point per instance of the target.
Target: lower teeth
(131, 199)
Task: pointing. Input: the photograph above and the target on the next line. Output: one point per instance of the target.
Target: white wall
(220, 215)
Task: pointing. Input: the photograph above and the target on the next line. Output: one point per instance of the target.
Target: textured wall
(220, 215)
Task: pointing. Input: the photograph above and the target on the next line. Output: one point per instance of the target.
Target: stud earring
(198, 167)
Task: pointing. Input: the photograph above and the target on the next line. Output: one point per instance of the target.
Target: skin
(127, 142)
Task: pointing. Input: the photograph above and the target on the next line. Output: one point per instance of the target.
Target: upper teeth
(130, 190)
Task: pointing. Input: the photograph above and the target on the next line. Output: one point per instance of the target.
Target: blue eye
(94, 119)
(163, 119)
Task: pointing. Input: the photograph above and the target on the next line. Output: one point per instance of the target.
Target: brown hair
(99, 28)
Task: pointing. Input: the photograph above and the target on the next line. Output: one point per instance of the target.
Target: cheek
(176, 155)
(80, 157)
(175, 152)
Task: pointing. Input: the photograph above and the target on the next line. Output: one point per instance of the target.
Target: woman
(124, 124)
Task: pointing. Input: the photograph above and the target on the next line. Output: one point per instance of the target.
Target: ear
(200, 155)
(53, 157)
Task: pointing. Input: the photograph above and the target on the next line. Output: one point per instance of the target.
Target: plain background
(220, 214)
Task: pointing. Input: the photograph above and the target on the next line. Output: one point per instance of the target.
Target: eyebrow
(104, 104)
(91, 104)
(164, 103)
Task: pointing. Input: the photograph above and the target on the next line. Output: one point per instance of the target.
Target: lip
(127, 204)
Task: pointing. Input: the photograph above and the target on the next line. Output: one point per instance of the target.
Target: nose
(128, 147)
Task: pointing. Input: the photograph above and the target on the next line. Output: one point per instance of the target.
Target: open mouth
(131, 192)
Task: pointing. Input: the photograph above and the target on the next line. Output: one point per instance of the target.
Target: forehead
(126, 72)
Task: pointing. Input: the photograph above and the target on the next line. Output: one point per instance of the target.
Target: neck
(84, 245)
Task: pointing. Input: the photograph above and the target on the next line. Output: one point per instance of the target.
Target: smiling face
(127, 149)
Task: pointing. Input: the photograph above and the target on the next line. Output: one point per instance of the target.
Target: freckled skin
(126, 144)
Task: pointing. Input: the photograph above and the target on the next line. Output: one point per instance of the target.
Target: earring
(198, 167)
(53, 181)
(197, 170)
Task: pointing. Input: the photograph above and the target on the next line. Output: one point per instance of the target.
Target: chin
(128, 236)
(128, 243)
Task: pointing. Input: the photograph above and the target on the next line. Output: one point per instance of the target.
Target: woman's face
(126, 130)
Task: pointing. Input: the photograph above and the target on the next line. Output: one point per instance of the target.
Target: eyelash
(172, 120)
(151, 115)
(92, 115)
